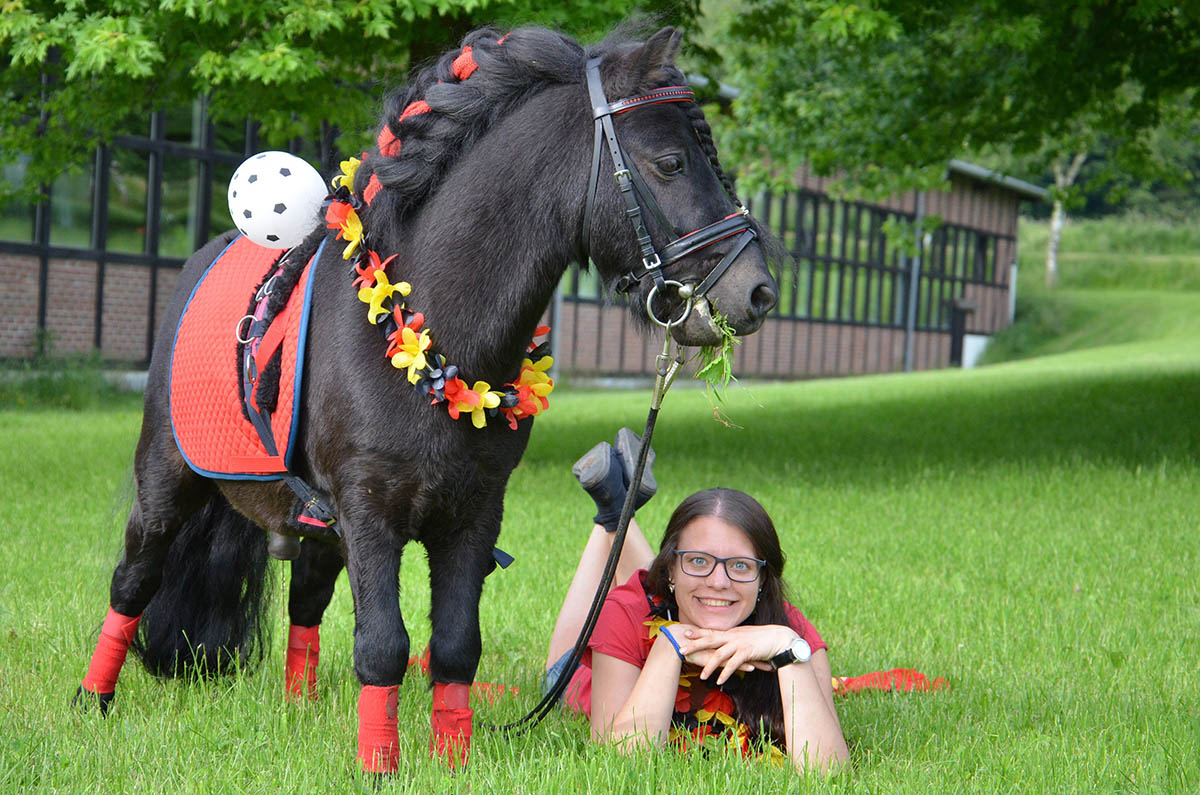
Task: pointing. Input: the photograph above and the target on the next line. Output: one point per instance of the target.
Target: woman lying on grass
(699, 645)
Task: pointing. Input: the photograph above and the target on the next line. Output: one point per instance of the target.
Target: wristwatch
(799, 651)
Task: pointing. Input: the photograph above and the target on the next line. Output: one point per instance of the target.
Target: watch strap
(788, 655)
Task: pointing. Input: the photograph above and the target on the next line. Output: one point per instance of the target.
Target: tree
(1084, 163)
(71, 74)
(887, 90)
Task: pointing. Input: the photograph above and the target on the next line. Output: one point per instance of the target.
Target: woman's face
(714, 601)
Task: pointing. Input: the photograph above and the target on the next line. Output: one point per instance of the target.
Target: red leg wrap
(115, 636)
(451, 720)
(303, 654)
(378, 738)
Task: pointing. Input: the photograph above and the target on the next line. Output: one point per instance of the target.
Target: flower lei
(715, 724)
(410, 345)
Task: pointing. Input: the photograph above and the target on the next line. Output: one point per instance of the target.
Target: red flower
(366, 273)
(458, 394)
(718, 701)
(336, 214)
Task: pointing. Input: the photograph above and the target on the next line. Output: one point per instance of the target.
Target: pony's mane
(446, 107)
(440, 113)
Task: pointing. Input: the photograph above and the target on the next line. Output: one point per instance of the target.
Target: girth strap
(260, 343)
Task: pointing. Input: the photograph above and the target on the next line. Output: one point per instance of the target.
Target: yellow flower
(705, 716)
(349, 167)
(487, 400)
(656, 624)
(410, 352)
(534, 376)
(352, 233)
(381, 291)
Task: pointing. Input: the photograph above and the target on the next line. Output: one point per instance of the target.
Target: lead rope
(665, 368)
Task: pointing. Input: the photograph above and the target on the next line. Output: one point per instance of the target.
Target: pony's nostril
(763, 299)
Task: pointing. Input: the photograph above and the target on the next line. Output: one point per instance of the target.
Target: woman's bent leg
(636, 554)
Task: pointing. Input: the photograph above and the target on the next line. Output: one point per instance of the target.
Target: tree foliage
(74, 73)
(888, 90)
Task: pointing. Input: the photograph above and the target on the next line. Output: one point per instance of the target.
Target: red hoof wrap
(303, 654)
(115, 636)
(378, 740)
(451, 720)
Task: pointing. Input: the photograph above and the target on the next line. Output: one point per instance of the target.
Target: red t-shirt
(622, 632)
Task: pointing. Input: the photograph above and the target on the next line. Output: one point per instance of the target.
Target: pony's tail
(207, 616)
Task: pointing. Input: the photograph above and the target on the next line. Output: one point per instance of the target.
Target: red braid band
(378, 737)
(115, 636)
(373, 187)
(415, 109)
(451, 719)
(389, 144)
(303, 654)
(464, 65)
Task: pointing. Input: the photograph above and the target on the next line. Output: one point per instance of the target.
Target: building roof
(1021, 187)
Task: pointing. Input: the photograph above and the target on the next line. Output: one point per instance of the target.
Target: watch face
(801, 650)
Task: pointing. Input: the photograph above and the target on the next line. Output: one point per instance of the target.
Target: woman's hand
(680, 634)
(744, 647)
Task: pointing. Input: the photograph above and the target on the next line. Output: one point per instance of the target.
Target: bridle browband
(637, 194)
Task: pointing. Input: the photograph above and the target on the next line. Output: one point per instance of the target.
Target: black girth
(636, 195)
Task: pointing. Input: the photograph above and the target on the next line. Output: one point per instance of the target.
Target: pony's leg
(168, 493)
(457, 567)
(380, 639)
(314, 573)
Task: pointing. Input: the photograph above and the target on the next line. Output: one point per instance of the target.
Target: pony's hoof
(86, 699)
(283, 547)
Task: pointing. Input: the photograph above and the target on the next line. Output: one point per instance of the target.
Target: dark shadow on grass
(1127, 420)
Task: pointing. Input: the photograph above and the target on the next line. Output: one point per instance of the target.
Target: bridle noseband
(637, 194)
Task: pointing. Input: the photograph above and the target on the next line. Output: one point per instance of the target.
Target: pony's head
(691, 250)
(664, 159)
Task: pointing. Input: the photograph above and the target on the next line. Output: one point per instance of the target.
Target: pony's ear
(659, 51)
(640, 67)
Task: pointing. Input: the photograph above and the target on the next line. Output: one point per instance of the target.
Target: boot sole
(628, 444)
(592, 468)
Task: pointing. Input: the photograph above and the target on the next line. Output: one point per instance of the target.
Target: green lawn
(1025, 530)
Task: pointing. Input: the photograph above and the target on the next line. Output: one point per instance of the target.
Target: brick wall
(782, 348)
(71, 307)
(18, 305)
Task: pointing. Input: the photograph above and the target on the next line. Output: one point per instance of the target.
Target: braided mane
(446, 107)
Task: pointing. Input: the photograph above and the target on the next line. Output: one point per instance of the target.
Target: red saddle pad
(213, 434)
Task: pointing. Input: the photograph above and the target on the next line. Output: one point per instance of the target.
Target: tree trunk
(1056, 225)
(1063, 179)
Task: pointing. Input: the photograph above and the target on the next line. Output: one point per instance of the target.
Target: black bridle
(637, 195)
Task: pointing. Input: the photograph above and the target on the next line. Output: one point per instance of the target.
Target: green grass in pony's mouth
(714, 365)
(715, 362)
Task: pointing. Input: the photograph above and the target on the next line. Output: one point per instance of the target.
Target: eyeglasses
(701, 564)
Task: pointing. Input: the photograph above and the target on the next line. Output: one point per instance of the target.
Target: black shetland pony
(483, 188)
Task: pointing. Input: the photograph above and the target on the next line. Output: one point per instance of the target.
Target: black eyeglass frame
(762, 564)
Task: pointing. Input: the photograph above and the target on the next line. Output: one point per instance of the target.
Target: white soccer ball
(274, 199)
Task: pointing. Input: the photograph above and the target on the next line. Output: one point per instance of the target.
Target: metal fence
(121, 232)
(852, 299)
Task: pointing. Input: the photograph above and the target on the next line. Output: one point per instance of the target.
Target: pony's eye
(670, 165)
